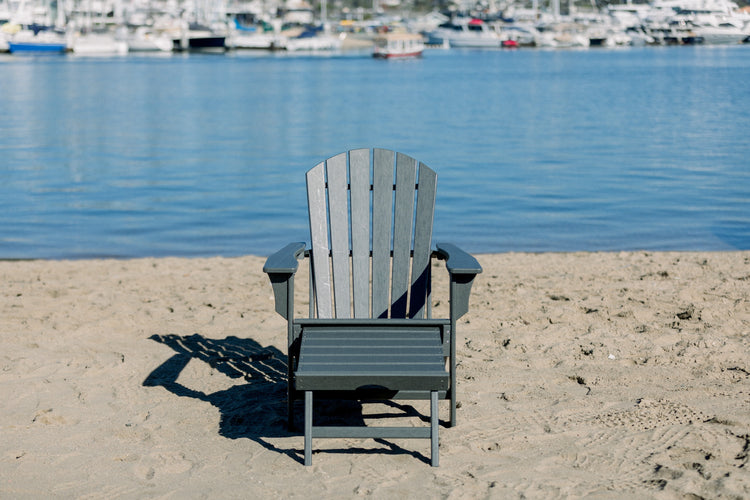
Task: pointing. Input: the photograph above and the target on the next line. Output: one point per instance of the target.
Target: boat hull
(404, 55)
(207, 43)
(29, 47)
(200, 41)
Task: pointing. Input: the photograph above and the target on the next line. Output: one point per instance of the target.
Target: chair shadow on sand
(256, 410)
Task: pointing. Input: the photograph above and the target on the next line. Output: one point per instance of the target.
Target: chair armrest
(456, 260)
(281, 268)
(462, 269)
(284, 261)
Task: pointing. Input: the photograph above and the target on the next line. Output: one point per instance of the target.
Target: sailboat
(47, 41)
(97, 40)
(28, 31)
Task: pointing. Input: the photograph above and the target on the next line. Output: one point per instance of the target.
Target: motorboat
(427, 22)
(265, 36)
(721, 34)
(561, 36)
(258, 41)
(473, 33)
(145, 39)
(398, 45)
(516, 35)
(313, 39)
(92, 44)
(198, 38)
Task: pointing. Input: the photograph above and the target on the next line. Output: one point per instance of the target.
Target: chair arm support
(281, 267)
(462, 268)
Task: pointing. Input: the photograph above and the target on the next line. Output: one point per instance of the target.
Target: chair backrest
(371, 214)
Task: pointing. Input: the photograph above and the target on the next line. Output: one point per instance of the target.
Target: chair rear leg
(290, 406)
(453, 400)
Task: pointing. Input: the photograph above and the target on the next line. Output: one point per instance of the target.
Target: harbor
(117, 27)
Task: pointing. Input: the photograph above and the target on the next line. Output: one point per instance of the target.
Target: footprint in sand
(161, 464)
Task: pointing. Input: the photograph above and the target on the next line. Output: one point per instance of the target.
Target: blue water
(535, 150)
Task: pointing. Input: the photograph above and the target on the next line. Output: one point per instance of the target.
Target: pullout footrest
(392, 358)
(371, 357)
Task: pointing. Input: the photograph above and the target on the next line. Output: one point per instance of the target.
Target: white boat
(43, 41)
(561, 36)
(684, 21)
(257, 41)
(722, 34)
(91, 44)
(145, 39)
(265, 36)
(474, 33)
(313, 40)
(396, 45)
(427, 22)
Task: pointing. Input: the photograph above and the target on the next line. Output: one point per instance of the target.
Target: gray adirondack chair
(370, 332)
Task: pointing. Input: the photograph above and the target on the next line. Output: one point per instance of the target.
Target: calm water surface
(535, 150)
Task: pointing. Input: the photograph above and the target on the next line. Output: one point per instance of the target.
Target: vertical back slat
(420, 265)
(382, 217)
(338, 212)
(316, 206)
(402, 232)
(359, 179)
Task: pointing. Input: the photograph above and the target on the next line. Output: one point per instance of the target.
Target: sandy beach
(600, 375)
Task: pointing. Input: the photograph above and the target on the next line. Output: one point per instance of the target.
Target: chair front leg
(308, 427)
(434, 428)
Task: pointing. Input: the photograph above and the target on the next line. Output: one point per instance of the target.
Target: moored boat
(397, 45)
(258, 40)
(724, 33)
(313, 39)
(199, 38)
(44, 41)
(473, 33)
(93, 44)
(145, 39)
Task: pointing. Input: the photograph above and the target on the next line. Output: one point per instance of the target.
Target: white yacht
(146, 39)
(258, 41)
(473, 33)
(313, 39)
(98, 44)
(721, 34)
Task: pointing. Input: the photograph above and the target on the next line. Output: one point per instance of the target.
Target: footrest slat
(371, 432)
